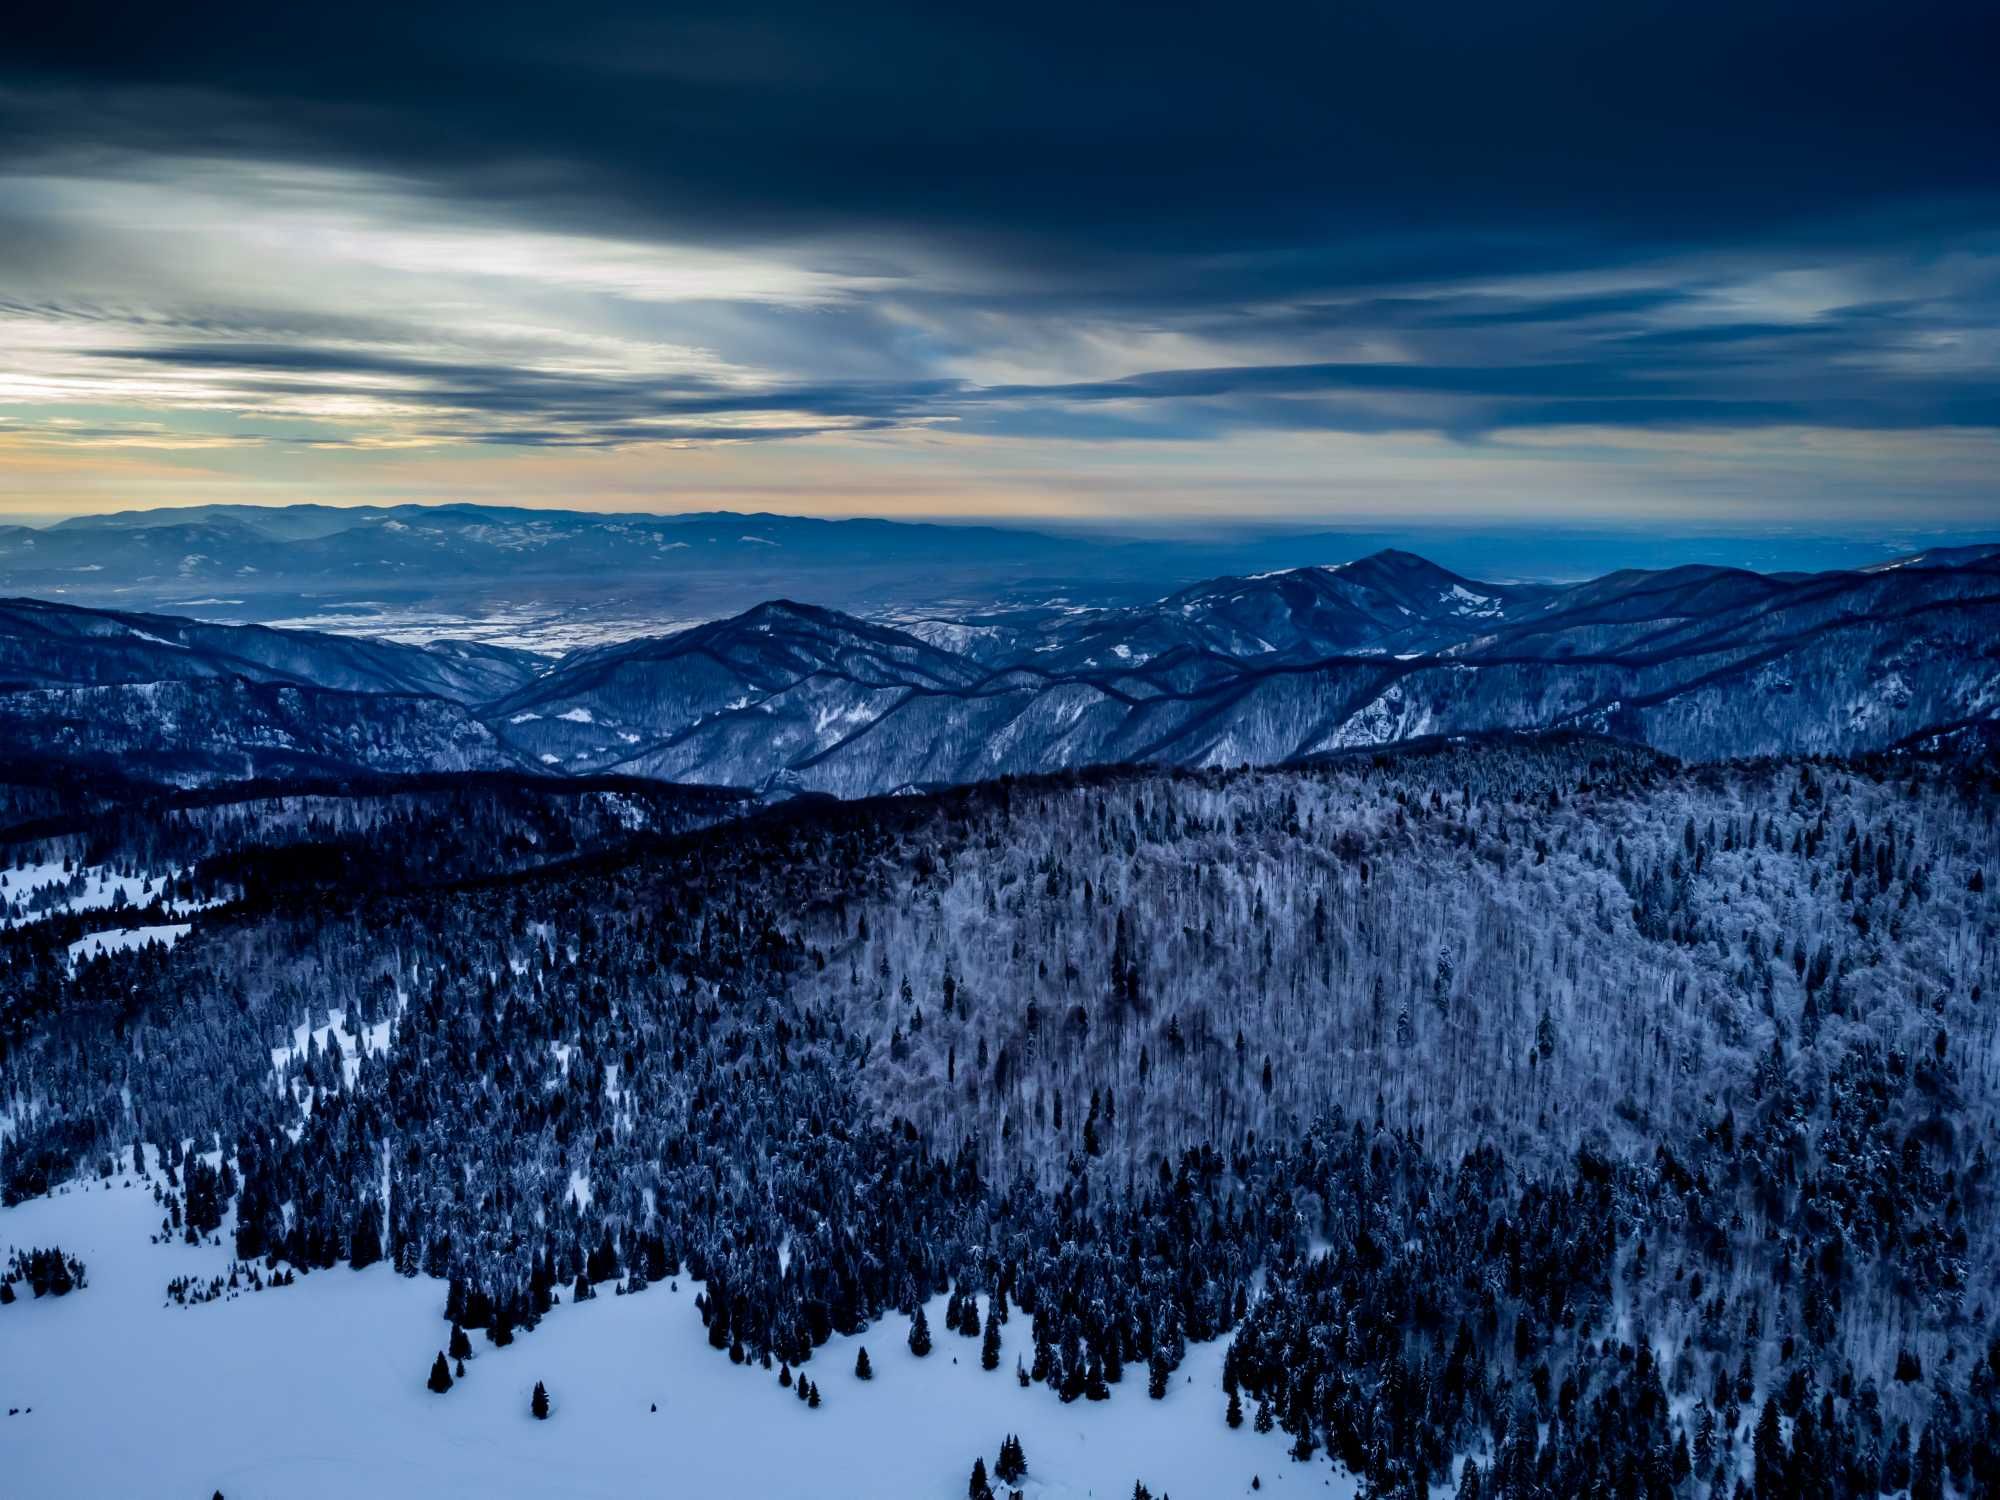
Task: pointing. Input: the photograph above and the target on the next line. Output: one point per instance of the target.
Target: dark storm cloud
(1083, 131)
(1296, 189)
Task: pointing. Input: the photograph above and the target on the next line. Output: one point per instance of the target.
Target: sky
(1670, 265)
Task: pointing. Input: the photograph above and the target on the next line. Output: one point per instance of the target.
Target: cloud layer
(950, 242)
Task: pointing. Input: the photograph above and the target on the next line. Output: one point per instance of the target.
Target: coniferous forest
(1528, 1117)
(893, 751)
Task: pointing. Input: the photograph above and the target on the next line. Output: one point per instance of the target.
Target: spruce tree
(989, 1350)
(920, 1334)
(440, 1380)
(538, 1404)
(862, 1369)
(366, 1246)
(1013, 1462)
(1768, 1454)
(1094, 1387)
(1072, 1381)
(1235, 1414)
(977, 1488)
(1927, 1474)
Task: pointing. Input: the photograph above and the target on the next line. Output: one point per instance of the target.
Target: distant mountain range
(557, 579)
(1701, 662)
(515, 574)
(244, 548)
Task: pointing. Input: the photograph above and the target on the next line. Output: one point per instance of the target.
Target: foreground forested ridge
(1605, 1120)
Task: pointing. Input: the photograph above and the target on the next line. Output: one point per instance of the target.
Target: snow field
(317, 1390)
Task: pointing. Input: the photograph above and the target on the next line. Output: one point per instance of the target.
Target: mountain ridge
(1643, 652)
(1274, 668)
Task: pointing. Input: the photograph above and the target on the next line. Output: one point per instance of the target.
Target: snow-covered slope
(781, 683)
(1383, 604)
(315, 1391)
(175, 700)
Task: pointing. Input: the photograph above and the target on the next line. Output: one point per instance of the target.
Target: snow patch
(48, 889)
(124, 939)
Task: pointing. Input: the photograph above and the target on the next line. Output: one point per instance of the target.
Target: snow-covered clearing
(84, 888)
(317, 1389)
(120, 939)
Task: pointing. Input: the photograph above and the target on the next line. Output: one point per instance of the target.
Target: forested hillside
(1483, 947)
(1605, 1121)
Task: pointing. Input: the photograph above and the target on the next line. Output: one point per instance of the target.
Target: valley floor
(317, 1390)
